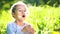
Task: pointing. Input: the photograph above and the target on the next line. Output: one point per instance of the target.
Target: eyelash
(21, 11)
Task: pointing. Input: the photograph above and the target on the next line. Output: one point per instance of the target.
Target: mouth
(23, 16)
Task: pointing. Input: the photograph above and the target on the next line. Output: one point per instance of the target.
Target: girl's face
(20, 12)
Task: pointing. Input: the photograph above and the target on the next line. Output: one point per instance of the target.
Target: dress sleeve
(9, 30)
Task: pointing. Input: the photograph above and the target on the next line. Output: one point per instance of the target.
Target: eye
(20, 10)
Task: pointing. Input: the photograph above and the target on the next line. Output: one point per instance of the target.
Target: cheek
(17, 14)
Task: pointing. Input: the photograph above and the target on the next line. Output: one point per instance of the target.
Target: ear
(13, 14)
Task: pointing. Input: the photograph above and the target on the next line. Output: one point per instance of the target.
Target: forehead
(20, 6)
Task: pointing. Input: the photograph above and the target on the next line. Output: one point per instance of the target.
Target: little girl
(18, 26)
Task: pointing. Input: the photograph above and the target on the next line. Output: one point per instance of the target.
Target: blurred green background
(44, 15)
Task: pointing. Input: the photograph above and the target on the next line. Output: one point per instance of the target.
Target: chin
(22, 19)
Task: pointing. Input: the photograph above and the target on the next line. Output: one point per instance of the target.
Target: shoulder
(11, 25)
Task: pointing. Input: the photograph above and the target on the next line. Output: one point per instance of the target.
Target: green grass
(46, 17)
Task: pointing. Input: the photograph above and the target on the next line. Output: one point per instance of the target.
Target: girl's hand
(28, 29)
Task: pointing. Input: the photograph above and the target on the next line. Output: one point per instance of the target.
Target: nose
(23, 12)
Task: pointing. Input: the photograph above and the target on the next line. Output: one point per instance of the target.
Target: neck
(20, 23)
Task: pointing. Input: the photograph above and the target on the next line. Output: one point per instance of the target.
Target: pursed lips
(23, 15)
